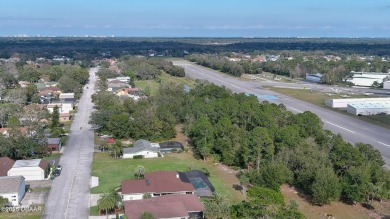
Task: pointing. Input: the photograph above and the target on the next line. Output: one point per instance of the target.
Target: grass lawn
(94, 211)
(180, 80)
(318, 98)
(112, 171)
(152, 84)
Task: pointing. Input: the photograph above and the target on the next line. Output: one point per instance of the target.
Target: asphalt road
(353, 130)
(69, 194)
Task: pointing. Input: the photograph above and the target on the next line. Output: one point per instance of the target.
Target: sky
(196, 18)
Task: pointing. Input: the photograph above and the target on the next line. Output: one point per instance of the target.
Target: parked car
(57, 172)
(59, 167)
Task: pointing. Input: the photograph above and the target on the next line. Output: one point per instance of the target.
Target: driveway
(69, 196)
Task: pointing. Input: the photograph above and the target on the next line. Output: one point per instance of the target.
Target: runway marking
(296, 110)
(384, 144)
(340, 127)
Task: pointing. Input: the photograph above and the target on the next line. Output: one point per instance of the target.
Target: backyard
(112, 171)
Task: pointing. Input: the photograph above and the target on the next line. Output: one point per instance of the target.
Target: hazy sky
(215, 18)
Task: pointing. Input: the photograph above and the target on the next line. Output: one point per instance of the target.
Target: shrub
(205, 171)
(138, 157)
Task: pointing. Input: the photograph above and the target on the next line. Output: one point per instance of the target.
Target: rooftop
(141, 145)
(10, 184)
(5, 164)
(53, 140)
(30, 163)
(167, 206)
(158, 182)
(370, 105)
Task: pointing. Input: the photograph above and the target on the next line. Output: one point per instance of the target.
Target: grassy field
(112, 171)
(147, 84)
(318, 98)
(153, 84)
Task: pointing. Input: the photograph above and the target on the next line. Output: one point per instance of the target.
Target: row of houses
(14, 174)
(172, 194)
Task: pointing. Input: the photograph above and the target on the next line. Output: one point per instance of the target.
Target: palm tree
(106, 202)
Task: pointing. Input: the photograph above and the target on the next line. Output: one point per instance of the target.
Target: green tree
(31, 91)
(3, 202)
(262, 145)
(217, 207)
(326, 186)
(147, 215)
(106, 202)
(55, 117)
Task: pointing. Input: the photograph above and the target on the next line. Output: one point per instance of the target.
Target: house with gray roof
(12, 188)
(143, 148)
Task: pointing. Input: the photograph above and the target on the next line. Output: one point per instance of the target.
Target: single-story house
(116, 85)
(51, 106)
(66, 95)
(13, 188)
(54, 145)
(143, 148)
(156, 184)
(167, 207)
(6, 164)
(169, 146)
(36, 169)
(64, 117)
(64, 107)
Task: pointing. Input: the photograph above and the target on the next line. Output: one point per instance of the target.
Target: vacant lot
(153, 84)
(112, 171)
(336, 209)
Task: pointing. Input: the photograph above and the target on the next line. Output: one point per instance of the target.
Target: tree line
(148, 68)
(271, 145)
(334, 71)
(275, 146)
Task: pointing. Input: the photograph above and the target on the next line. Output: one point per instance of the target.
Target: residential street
(69, 195)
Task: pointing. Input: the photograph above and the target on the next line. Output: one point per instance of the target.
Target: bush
(205, 171)
(138, 157)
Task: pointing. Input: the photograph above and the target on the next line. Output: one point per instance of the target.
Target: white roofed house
(36, 169)
(12, 188)
(66, 96)
(64, 107)
(142, 148)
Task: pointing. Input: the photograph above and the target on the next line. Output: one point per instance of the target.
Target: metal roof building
(368, 108)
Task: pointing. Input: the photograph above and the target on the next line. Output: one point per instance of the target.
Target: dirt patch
(180, 135)
(335, 209)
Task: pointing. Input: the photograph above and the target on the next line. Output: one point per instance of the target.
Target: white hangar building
(368, 108)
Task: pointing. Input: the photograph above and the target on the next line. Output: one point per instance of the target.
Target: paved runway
(353, 130)
(69, 194)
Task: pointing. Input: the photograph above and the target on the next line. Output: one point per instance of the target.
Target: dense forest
(271, 145)
(87, 48)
